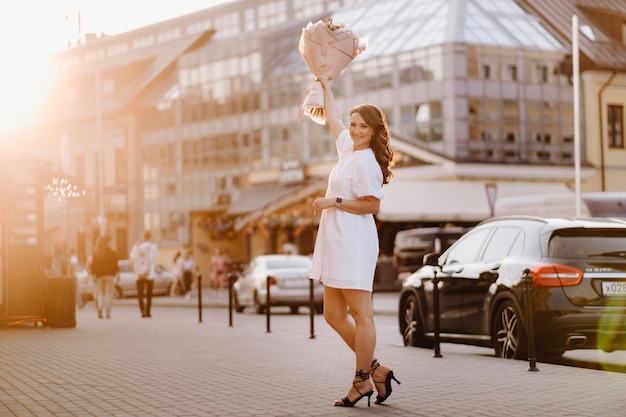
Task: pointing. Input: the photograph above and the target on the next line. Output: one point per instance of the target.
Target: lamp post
(102, 221)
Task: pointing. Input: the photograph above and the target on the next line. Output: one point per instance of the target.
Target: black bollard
(200, 298)
(267, 304)
(311, 309)
(436, 344)
(230, 300)
(530, 314)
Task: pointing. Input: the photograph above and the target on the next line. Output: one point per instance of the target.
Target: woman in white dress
(346, 249)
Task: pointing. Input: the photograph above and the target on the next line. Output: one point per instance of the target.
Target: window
(486, 72)
(466, 249)
(541, 73)
(616, 126)
(510, 73)
(506, 241)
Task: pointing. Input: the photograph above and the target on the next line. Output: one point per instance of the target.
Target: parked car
(289, 284)
(411, 245)
(126, 286)
(578, 273)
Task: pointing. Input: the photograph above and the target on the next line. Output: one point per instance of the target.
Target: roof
(132, 73)
(262, 199)
(394, 26)
(600, 22)
(450, 200)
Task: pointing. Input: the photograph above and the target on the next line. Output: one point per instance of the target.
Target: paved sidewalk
(172, 365)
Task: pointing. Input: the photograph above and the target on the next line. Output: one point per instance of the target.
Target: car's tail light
(555, 276)
(272, 280)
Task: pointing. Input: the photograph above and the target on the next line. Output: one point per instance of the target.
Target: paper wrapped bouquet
(327, 49)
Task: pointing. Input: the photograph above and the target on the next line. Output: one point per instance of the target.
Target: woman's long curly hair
(376, 119)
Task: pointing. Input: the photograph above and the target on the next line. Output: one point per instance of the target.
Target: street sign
(492, 189)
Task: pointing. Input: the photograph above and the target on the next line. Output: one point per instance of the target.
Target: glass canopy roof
(393, 26)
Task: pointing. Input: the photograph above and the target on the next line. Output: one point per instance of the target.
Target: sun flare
(28, 37)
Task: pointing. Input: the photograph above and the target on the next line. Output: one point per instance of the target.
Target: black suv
(411, 245)
(577, 268)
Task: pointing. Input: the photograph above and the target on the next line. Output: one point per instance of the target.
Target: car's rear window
(284, 263)
(585, 243)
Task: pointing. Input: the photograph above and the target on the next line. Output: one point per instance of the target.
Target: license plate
(611, 289)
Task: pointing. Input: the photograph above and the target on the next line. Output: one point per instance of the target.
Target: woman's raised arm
(333, 115)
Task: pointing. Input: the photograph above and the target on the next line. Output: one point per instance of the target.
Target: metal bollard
(230, 300)
(200, 298)
(530, 309)
(436, 344)
(311, 309)
(267, 304)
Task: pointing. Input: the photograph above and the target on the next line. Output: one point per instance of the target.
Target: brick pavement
(172, 365)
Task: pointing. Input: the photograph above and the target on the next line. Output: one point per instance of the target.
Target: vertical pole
(267, 304)
(437, 348)
(101, 216)
(231, 281)
(200, 298)
(530, 313)
(576, 82)
(311, 309)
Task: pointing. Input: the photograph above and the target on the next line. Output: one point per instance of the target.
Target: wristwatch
(338, 202)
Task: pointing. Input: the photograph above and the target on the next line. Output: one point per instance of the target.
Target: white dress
(346, 249)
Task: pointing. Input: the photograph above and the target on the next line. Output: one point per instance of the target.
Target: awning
(263, 199)
(451, 201)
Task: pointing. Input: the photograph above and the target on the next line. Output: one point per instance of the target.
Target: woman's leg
(100, 298)
(357, 332)
(362, 310)
(108, 294)
(336, 315)
(360, 334)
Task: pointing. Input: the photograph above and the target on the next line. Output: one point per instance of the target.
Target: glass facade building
(200, 111)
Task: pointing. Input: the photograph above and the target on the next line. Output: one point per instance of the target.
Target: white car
(289, 284)
(127, 284)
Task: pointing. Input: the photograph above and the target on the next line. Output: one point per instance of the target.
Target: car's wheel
(238, 307)
(258, 308)
(319, 308)
(118, 293)
(508, 333)
(294, 309)
(411, 325)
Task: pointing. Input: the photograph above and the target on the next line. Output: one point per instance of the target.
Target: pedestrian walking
(189, 271)
(143, 255)
(178, 287)
(105, 271)
(346, 248)
(219, 265)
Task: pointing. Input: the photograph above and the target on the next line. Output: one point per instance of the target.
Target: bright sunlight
(32, 30)
(27, 36)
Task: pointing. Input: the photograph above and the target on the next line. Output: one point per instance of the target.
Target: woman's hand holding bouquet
(326, 49)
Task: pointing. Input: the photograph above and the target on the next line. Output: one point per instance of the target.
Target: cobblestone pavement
(174, 365)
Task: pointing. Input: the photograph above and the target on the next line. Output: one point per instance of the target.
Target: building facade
(190, 127)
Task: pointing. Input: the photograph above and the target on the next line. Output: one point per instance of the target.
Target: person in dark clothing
(105, 270)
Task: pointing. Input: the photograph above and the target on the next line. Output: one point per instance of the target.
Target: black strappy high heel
(358, 377)
(387, 382)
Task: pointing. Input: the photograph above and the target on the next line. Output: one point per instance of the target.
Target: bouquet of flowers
(326, 49)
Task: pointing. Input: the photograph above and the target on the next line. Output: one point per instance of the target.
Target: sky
(32, 30)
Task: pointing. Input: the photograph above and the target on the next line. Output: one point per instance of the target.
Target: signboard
(492, 189)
